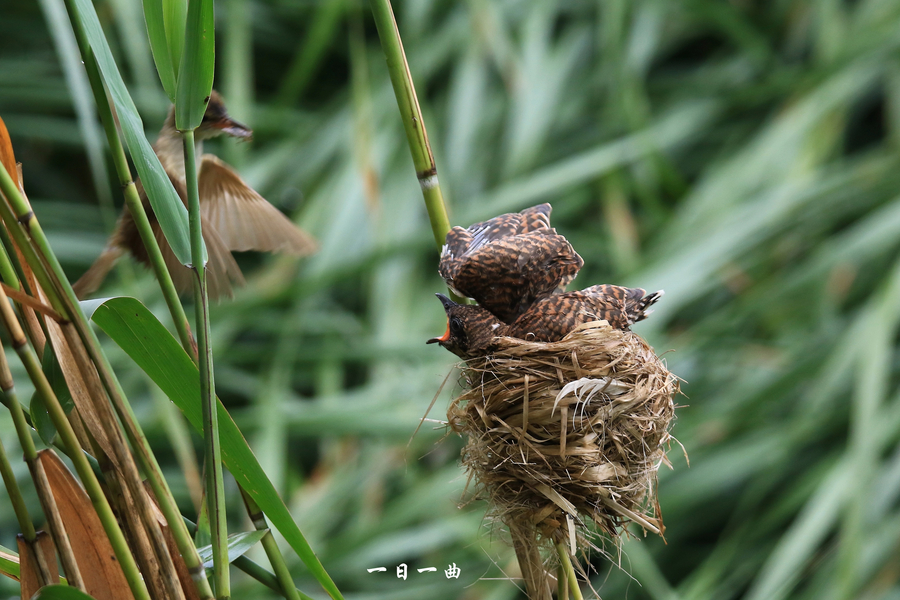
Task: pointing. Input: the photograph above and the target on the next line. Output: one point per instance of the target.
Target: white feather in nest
(587, 387)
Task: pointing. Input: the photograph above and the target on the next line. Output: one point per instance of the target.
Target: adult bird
(233, 216)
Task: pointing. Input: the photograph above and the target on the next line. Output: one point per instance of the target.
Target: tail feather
(94, 276)
(639, 311)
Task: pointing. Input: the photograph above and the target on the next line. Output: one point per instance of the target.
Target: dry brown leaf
(103, 577)
(29, 573)
(184, 575)
(79, 387)
(7, 156)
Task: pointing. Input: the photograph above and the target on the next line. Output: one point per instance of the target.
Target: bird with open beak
(471, 329)
(234, 217)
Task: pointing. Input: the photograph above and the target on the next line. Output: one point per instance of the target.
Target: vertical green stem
(11, 400)
(568, 571)
(23, 431)
(276, 559)
(256, 571)
(7, 271)
(132, 198)
(215, 490)
(67, 434)
(15, 496)
(42, 267)
(562, 584)
(9, 189)
(413, 124)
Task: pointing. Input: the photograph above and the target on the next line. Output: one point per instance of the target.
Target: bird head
(470, 329)
(217, 122)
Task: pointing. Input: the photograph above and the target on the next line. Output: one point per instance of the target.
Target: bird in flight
(234, 217)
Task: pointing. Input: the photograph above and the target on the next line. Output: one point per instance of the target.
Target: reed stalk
(215, 488)
(70, 306)
(411, 114)
(270, 546)
(567, 571)
(67, 435)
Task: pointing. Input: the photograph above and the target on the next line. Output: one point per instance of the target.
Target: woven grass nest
(564, 433)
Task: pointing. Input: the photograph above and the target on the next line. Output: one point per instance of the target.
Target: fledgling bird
(509, 262)
(471, 329)
(551, 319)
(233, 216)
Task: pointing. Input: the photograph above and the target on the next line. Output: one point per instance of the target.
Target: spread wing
(630, 304)
(456, 244)
(508, 225)
(466, 248)
(243, 219)
(509, 274)
(536, 217)
(221, 268)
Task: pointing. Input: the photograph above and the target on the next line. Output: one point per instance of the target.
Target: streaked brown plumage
(472, 329)
(234, 217)
(551, 319)
(509, 262)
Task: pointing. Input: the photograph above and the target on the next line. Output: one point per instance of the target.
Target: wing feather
(243, 219)
(221, 268)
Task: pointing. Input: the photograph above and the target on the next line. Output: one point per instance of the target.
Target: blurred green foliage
(742, 155)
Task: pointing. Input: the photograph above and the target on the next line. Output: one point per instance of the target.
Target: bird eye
(456, 327)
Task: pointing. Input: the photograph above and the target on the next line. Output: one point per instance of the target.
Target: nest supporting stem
(567, 571)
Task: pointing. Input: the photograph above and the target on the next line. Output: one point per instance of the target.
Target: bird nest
(564, 433)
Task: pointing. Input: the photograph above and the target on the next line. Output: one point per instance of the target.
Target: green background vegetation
(741, 155)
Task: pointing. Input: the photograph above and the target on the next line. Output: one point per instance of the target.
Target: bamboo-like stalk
(67, 435)
(254, 570)
(15, 494)
(214, 485)
(9, 189)
(11, 400)
(413, 124)
(133, 201)
(11, 268)
(48, 262)
(568, 571)
(276, 559)
(57, 525)
(7, 271)
(44, 263)
(562, 581)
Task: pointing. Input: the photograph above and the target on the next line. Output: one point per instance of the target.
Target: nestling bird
(233, 216)
(509, 262)
(551, 319)
(471, 329)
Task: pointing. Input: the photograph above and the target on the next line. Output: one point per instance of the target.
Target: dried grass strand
(566, 432)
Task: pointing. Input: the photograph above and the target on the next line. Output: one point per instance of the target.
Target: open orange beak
(443, 338)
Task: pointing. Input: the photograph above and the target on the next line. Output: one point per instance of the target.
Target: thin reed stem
(215, 489)
(568, 571)
(67, 435)
(276, 558)
(411, 114)
(69, 305)
(134, 204)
